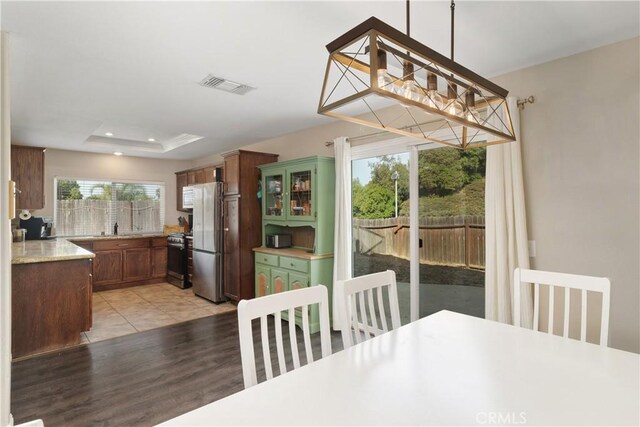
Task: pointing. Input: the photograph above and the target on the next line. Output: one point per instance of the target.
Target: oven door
(176, 260)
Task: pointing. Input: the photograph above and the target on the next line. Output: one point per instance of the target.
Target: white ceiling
(132, 68)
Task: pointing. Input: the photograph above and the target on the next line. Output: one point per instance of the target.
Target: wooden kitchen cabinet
(27, 170)
(242, 220)
(51, 305)
(159, 260)
(190, 258)
(107, 267)
(181, 182)
(137, 264)
(232, 262)
(209, 174)
(126, 262)
(192, 177)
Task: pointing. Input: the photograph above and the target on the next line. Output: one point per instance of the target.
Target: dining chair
(568, 282)
(249, 310)
(351, 295)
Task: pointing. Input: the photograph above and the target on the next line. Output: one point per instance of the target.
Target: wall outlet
(532, 248)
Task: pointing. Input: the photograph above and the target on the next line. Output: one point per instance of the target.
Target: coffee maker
(38, 228)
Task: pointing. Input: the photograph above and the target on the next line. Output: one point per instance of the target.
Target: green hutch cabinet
(298, 199)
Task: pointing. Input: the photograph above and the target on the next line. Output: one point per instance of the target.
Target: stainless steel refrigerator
(207, 241)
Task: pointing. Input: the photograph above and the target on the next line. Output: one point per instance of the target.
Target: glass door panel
(300, 195)
(451, 233)
(380, 203)
(273, 197)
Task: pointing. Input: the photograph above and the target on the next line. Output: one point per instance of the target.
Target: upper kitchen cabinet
(27, 170)
(192, 177)
(181, 182)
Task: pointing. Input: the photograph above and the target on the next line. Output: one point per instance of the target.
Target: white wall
(581, 156)
(75, 164)
(581, 172)
(307, 142)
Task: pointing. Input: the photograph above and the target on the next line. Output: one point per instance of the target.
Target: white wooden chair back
(568, 282)
(275, 304)
(350, 300)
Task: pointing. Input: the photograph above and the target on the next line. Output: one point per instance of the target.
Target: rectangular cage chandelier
(379, 77)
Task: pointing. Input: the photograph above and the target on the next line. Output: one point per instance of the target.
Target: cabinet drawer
(267, 259)
(107, 245)
(159, 241)
(294, 264)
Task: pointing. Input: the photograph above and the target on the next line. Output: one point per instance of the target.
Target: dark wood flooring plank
(140, 379)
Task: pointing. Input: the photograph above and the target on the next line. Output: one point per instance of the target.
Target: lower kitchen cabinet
(125, 262)
(107, 267)
(159, 262)
(297, 269)
(51, 305)
(137, 264)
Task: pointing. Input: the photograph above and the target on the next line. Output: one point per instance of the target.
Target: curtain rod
(521, 104)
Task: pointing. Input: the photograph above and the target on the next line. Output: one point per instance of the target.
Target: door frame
(397, 146)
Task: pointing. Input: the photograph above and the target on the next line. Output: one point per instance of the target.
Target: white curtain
(506, 228)
(342, 261)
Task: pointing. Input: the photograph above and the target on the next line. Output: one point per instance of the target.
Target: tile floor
(126, 311)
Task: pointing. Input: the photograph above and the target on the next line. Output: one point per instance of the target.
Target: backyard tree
(441, 171)
(373, 201)
(124, 192)
(383, 169)
(69, 189)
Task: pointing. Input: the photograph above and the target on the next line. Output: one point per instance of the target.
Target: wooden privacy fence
(91, 217)
(456, 240)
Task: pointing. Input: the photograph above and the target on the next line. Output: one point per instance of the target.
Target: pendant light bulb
(385, 82)
(410, 89)
(470, 103)
(454, 107)
(433, 99)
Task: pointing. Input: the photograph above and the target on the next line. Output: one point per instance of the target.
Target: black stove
(177, 260)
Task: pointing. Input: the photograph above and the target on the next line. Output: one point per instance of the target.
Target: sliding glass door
(451, 230)
(380, 202)
(436, 245)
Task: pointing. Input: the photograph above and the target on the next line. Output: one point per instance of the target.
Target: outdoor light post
(395, 177)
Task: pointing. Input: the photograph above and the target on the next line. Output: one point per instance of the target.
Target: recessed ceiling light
(109, 133)
(151, 140)
(117, 153)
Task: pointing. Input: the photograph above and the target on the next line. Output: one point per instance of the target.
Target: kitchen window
(92, 207)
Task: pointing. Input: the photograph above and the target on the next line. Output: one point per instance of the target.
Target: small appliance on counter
(18, 234)
(278, 241)
(38, 228)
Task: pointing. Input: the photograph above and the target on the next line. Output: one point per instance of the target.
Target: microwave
(278, 241)
(187, 197)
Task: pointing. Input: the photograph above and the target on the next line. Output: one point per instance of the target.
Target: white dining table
(445, 369)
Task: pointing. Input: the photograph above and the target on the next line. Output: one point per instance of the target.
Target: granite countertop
(111, 237)
(292, 252)
(33, 251)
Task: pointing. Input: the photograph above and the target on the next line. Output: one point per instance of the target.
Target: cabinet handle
(293, 265)
(123, 244)
(265, 259)
(226, 229)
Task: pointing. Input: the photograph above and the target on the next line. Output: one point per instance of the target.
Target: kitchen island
(51, 295)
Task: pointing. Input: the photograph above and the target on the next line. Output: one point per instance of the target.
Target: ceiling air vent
(219, 83)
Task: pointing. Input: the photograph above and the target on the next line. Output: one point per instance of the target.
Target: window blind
(88, 207)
